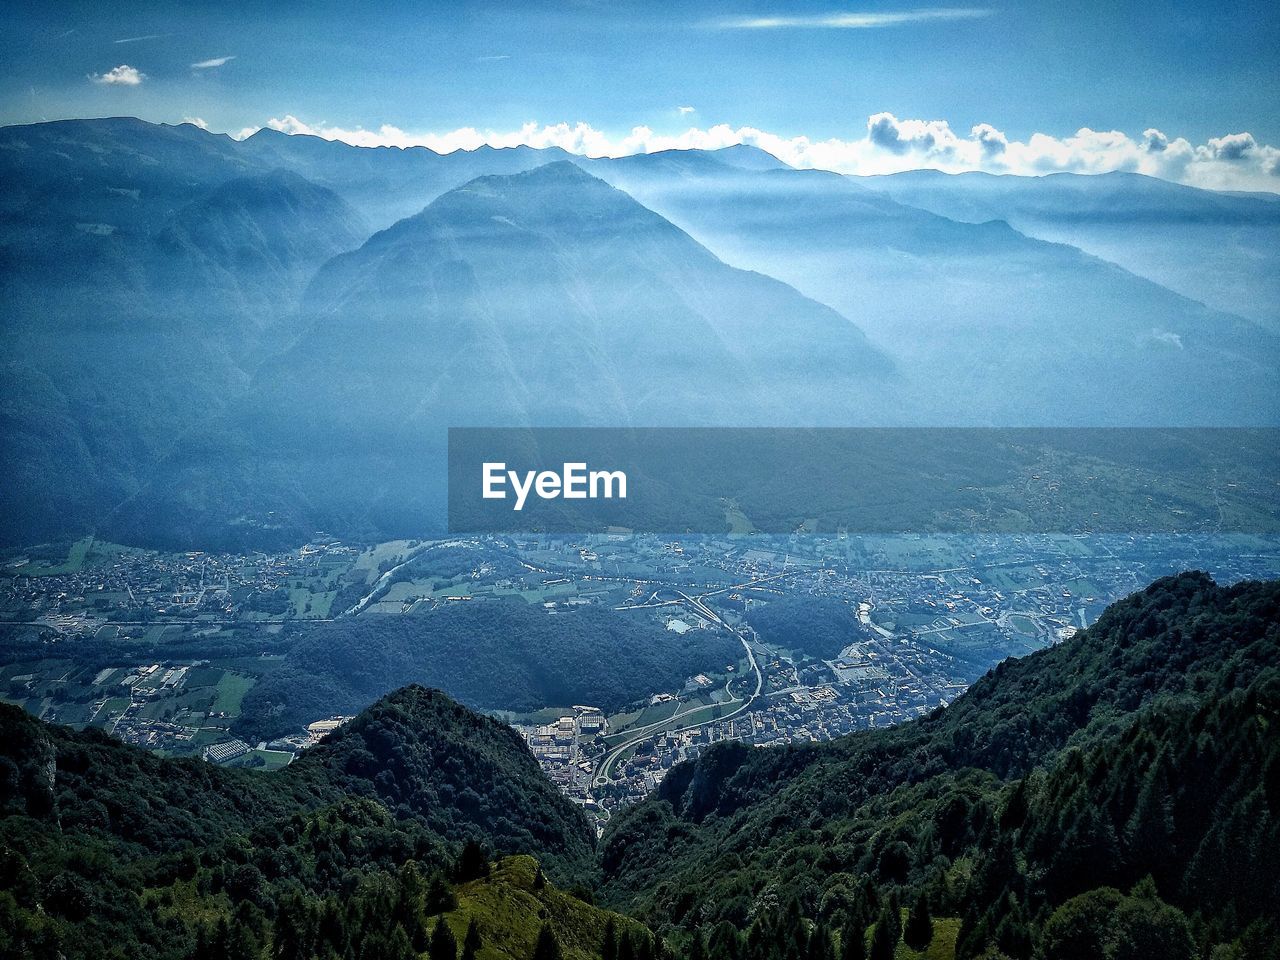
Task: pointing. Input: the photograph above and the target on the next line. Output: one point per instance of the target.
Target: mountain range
(1214, 247)
(211, 342)
(1113, 796)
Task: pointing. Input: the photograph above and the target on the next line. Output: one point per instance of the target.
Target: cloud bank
(852, 21)
(121, 76)
(1234, 161)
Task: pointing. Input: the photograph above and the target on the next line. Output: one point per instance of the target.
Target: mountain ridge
(1138, 747)
(545, 297)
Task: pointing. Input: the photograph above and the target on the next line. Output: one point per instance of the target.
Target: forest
(1136, 765)
(1114, 796)
(504, 655)
(817, 626)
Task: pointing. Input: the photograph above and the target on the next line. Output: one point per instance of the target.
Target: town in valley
(927, 615)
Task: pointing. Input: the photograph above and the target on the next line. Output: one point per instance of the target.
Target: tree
(725, 943)
(473, 863)
(884, 939)
(547, 947)
(471, 943)
(539, 879)
(439, 897)
(853, 943)
(696, 947)
(918, 932)
(820, 947)
(609, 943)
(444, 946)
(411, 906)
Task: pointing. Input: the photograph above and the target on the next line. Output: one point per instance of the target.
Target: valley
(263, 698)
(785, 640)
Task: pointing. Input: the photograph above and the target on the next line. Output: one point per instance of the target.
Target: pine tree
(853, 942)
(697, 947)
(439, 897)
(547, 947)
(609, 945)
(473, 863)
(471, 943)
(884, 939)
(444, 946)
(397, 946)
(820, 946)
(918, 932)
(290, 939)
(626, 949)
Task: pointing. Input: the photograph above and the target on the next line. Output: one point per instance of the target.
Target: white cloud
(196, 122)
(852, 21)
(210, 64)
(888, 145)
(494, 58)
(121, 76)
(149, 36)
(685, 111)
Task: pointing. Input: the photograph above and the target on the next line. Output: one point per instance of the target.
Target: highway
(651, 730)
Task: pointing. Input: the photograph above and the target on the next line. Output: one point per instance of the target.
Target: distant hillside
(214, 343)
(987, 326)
(109, 851)
(816, 626)
(1218, 248)
(543, 298)
(1145, 747)
(493, 656)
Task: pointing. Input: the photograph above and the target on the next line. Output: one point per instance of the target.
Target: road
(648, 731)
(382, 582)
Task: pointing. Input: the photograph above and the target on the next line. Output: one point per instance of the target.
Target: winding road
(650, 730)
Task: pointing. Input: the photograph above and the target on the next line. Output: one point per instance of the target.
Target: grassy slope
(509, 912)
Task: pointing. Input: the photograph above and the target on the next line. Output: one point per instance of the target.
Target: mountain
(542, 298)
(109, 851)
(206, 344)
(987, 325)
(1217, 248)
(568, 298)
(493, 656)
(1140, 755)
(388, 183)
(144, 270)
(250, 247)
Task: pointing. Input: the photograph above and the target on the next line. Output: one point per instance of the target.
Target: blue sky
(1195, 71)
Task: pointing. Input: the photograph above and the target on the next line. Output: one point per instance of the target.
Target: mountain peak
(746, 156)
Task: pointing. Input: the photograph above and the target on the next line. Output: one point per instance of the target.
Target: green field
(231, 690)
(72, 564)
(1024, 625)
(943, 945)
(375, 560)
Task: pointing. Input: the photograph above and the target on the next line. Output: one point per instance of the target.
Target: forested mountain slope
(1146, 746)
(490, 656)
(110, 851)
